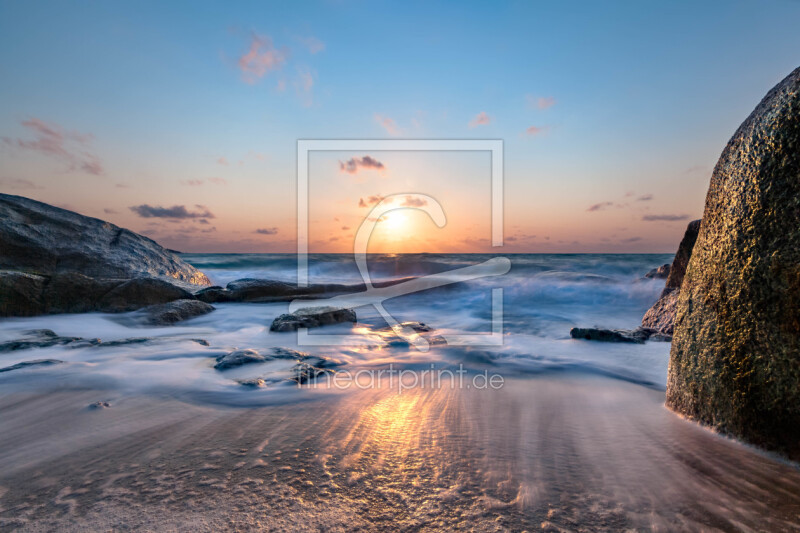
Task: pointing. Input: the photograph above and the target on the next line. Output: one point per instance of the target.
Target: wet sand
(557, 454)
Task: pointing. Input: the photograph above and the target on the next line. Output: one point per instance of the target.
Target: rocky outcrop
(661, 272)
(140, 292)
(312, 317)
(21, 293)
(71, 292)
(43, 239)
(661, 316)
(735, 359)
(176, 311)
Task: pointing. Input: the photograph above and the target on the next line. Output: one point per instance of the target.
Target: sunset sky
(180, 120)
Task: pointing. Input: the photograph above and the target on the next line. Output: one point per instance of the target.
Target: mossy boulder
(735, 360)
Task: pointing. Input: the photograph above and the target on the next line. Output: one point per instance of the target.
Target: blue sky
(624, 101)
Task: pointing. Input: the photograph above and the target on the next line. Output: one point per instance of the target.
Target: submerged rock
(27, 364)
(175, 311)
(255, 383)
(239, 358)
(304, 372)
(637, 336)
(44, 239)
(21, 293)
(37, 338)
(99, 405)
(312, 317)
(735, 359)
(661, 272)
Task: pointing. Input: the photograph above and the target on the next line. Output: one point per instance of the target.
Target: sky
(180, 120)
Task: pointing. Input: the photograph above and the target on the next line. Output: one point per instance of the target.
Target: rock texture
(42, 239)
(21, 293)
(661, 316)
(312, 317)
(176, 311)
(661, 272)
(735, 360)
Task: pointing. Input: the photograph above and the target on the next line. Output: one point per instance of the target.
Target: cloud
(108, 211)
(410, 201)
(345, 228)
(664, 218)
(631, 239)
(303, 86)
(481, 119)
(198, 183)
(192, 183)
(370, 201)
(122, 186)
(600, 206)
(18, 184)
(645, 198)
(388, 124)
(535, 130)
(261, 58)
(218, 181)
(222, 161)
(267, 231)
(543, 102)
(313, 44)
(174, 212)
(52, 140)
(355, 164)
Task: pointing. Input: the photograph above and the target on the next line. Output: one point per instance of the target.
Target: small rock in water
(37, 338)
(99, 405)
(661, 272)
(312, 317)
(304, 372)
(176, 311)
(637, 336)
(239, 358)
(256, 383)
(26, 364)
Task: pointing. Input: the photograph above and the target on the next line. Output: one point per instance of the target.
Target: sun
(394, 221)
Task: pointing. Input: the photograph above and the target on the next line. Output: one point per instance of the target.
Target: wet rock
(239, 358)
(20, 293)
(99, 405)
(637, 336)
(176, 311)
(141, 292)
(419, 327)
(27, 364)
(259, 290)
(735, 359)
(303, 373)
(72, 292)
(661, 272)
(37, 338)
(287, 353)
(661, 316)
(256, 383)
(312, 317)
(213, 295)
(43, 239)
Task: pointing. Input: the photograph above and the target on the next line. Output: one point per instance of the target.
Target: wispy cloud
(410, 201)
(664, 218)
(303, 85)
(356, 164)
(267, 231)
(199, 182)
(533, 131)
(370, 201)
(70, 147)
(481, 119)
(388, 124)
(644, 198)
(223, 161)
(600, 206)
(541, 102)
(261, 58)
(313, 44)
(174, 212)
(108, 211)
(18, 184)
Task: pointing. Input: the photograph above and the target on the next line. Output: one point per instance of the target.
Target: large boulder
(141, 292)
(71, 292)
(735, 360)
(39, 238)
(21, 293)
(661, 316)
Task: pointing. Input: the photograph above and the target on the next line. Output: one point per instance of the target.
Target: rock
(99, 405)
(678, 269)
(72, 292)
(661, 315)
(175, 311)
(43, 239)
(259, 290)
(735, 359)
(26, 364)
(213, 295)
(636, 336)
(304, 372)
(20, 293)
(239, 358)
(256, 383)
(419, 327)
(37, 338)
(661, 272)
(141, 292)
(312, 317)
